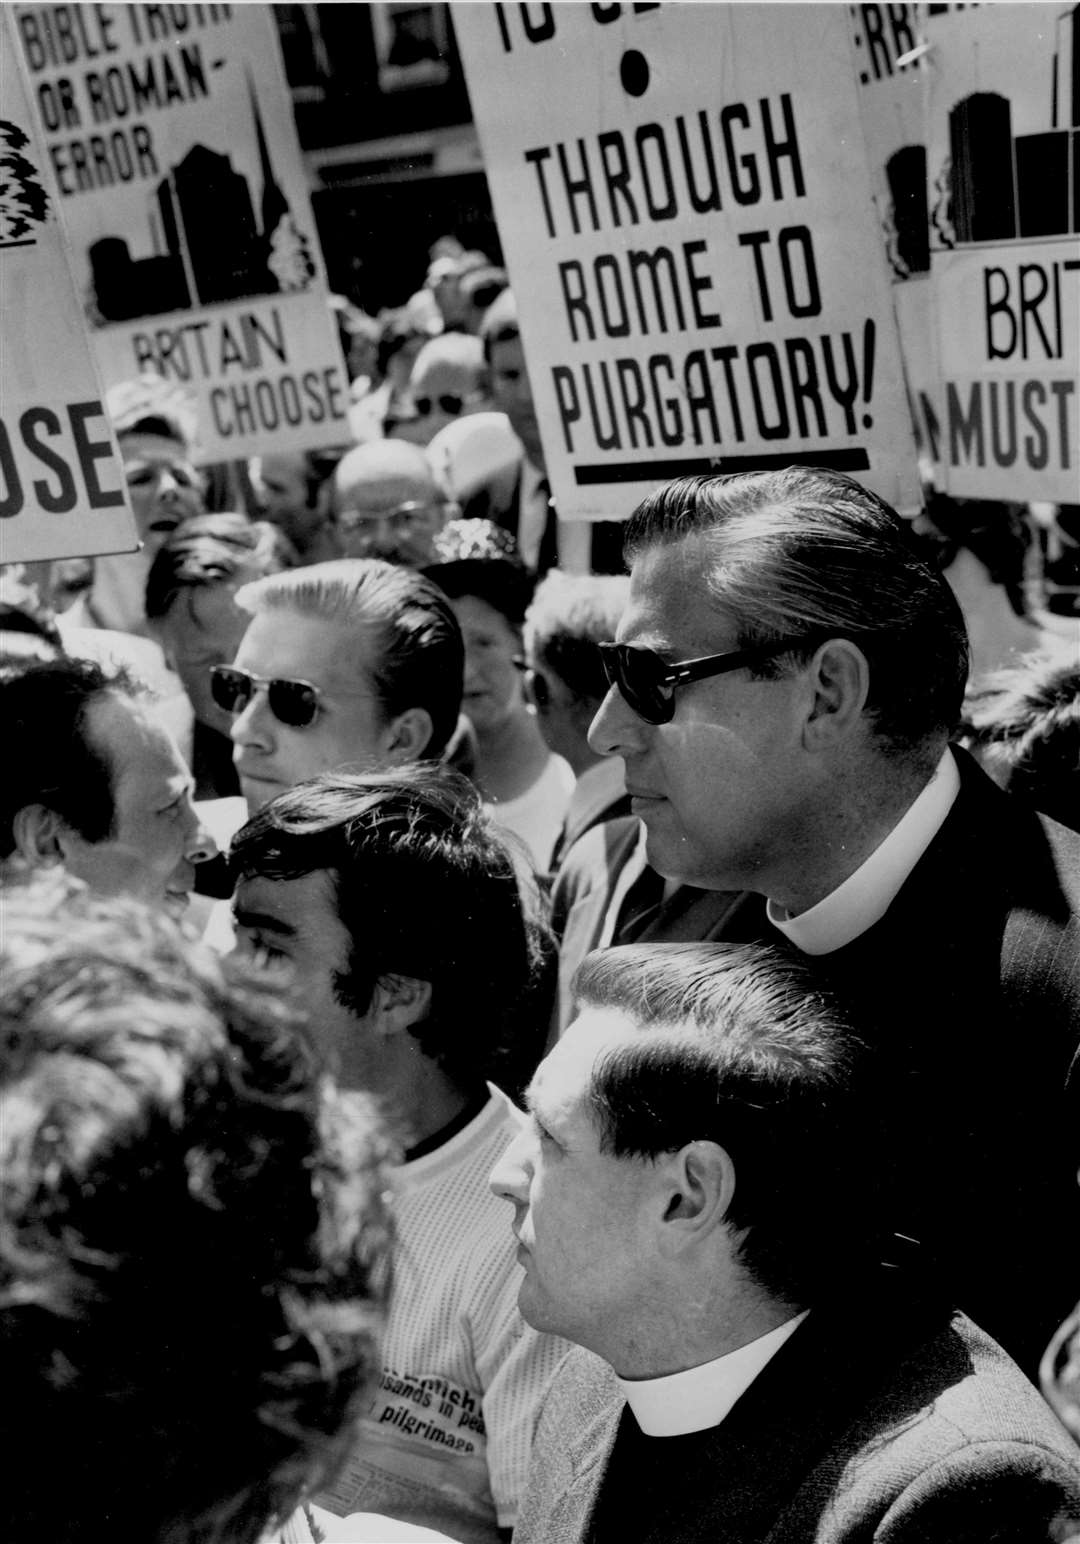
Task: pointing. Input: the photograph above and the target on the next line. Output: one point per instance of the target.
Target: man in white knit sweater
(397, 908)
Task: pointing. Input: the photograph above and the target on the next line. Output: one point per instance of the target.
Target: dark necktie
(639, 904)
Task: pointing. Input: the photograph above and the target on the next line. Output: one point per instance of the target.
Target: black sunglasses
(648, 683)
(449, 404)
(293, 703)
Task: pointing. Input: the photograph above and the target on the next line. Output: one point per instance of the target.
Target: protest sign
(1005, 258)
(893, 81)
(62, 490)
(171, 138)
(686, 211)
(894, 75)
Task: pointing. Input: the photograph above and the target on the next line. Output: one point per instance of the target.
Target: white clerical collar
(865, 896)
(701, 1396)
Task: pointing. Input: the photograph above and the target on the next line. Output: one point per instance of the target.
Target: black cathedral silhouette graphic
(1000, 185)
(207, 243)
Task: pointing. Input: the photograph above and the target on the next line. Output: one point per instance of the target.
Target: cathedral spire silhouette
(274, 204)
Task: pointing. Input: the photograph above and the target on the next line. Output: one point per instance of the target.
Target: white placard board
(1004, 170)
(686, 210)
(62, 491)
(173, 147)
(894, 84)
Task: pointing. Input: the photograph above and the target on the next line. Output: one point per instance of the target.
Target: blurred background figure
(982, 547)
(33, 627)
(155, 428)
(570, 614)
(1023, 725)
(1057, 534)
(293, 492)
(480, 288)
(389, 404)
(447, 381)
(473, 451)
(444, 280)
(194, 1238)
(520, 501)
(527, 787)
(27, 622)
(358, 334)
(519, 497)
(387, 502)
(97, 788)
(190, 603)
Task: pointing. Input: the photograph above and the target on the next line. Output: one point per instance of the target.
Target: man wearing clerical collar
(783, 688)
(701, 1203)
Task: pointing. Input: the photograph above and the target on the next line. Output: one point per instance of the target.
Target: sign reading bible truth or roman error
(686, 209)
(61, 481)
(170, 134)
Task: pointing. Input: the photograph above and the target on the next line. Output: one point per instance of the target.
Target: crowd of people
(521, 1028)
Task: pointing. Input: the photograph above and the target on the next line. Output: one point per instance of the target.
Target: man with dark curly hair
(194, 1242)
(397, 909)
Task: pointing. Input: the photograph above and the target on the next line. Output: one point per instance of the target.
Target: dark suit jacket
(970, 986)
(594, 800)
(500, 500)
(881, 1421)
(583, 888)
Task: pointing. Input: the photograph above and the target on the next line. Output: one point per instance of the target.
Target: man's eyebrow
(533, 1105)
(263, 921)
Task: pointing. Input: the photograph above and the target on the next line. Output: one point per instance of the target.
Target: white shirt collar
(629, 874)
(865, 896)
(701, 1397)
(533, 513)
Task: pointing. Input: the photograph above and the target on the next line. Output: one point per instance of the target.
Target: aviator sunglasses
(648, 683)
(448, 403)
(293, 703)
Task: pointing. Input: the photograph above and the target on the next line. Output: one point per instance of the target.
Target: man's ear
(839, 677)
(407, 736)
(400, 1002)
(41, 835)
(697, 1188)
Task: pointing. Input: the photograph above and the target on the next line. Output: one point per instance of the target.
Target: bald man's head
(388, 503)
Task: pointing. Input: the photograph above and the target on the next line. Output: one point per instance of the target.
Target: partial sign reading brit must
(1005, 240)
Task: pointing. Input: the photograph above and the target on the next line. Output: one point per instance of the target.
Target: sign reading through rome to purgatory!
(170, 136)
(687, 213)
(61, 480)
